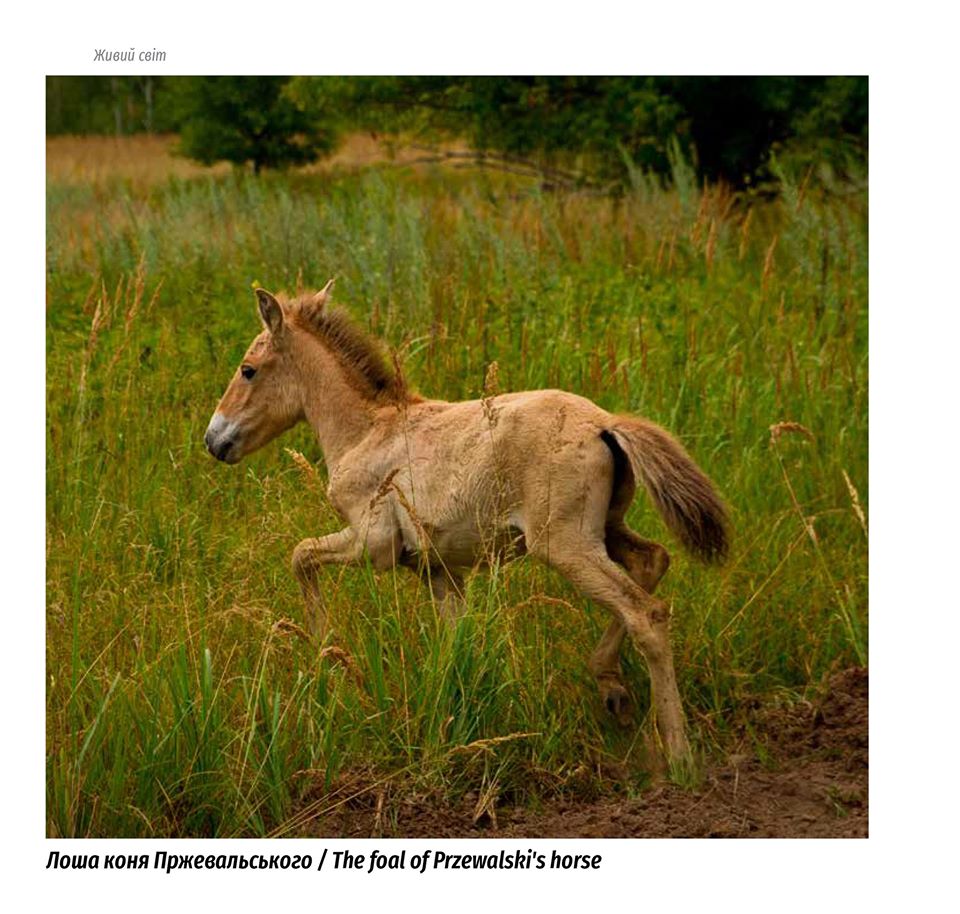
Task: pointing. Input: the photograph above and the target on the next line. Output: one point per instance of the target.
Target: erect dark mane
(356, 350)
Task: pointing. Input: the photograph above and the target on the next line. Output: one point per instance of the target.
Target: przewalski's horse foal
(442, 487)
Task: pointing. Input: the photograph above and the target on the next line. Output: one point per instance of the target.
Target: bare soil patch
(798, 771)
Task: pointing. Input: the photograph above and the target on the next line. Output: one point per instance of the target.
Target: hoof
(616, 699)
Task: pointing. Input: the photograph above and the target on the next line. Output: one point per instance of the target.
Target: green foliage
(545, 117)
(182, 699)
(243, 119)
(735, 122)
(601, 127)
(118, 105)
(593, 130)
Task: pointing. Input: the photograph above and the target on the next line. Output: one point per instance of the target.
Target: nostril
(210, 440)
(220, 437)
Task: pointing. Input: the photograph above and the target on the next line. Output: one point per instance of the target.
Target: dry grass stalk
(487, 804)
(711, 247)
(802, 193)
(308, 471)
(701, 216)
(776, 432)
(339, 657)
(491, 387)
(745, 235)
(779, 428)
(486, 745)
(768, 264)
(855, 502)
(133, 298)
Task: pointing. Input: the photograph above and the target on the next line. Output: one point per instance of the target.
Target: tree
(566, 130)
(574, 125)
(736, 121)
(243, 119)
(598, 128)
(110, 104)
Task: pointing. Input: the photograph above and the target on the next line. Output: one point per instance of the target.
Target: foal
(442, 487)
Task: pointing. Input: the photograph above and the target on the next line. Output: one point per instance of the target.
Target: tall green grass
(182, 697)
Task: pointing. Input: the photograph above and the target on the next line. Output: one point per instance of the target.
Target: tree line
(592, 130)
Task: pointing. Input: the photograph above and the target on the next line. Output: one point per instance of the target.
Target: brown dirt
(798, 771)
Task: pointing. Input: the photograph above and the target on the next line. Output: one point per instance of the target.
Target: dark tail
(681, 491)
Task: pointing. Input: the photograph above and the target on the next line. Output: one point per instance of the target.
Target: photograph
(439, 457)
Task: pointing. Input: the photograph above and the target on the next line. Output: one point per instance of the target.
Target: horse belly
(469, 545)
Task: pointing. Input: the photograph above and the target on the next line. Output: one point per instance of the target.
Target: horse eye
(248, 371)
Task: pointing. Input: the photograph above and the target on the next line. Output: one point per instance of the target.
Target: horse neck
(338, 413)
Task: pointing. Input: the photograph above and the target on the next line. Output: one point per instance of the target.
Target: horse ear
(270, 311)
(323, 296)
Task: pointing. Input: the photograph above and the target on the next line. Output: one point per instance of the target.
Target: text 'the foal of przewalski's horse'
(442, 487)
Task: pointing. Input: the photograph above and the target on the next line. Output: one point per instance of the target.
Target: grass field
(182, 698)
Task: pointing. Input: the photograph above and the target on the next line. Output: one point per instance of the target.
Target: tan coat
(442, 487)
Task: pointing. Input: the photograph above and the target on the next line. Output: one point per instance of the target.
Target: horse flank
(681, 492)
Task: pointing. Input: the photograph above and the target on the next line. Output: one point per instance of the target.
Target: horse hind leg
(605, 666)
(645, 617)
(646, 562)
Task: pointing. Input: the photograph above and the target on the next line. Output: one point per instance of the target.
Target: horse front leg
(310, 555)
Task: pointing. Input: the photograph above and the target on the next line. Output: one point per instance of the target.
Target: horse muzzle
(221, 439)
